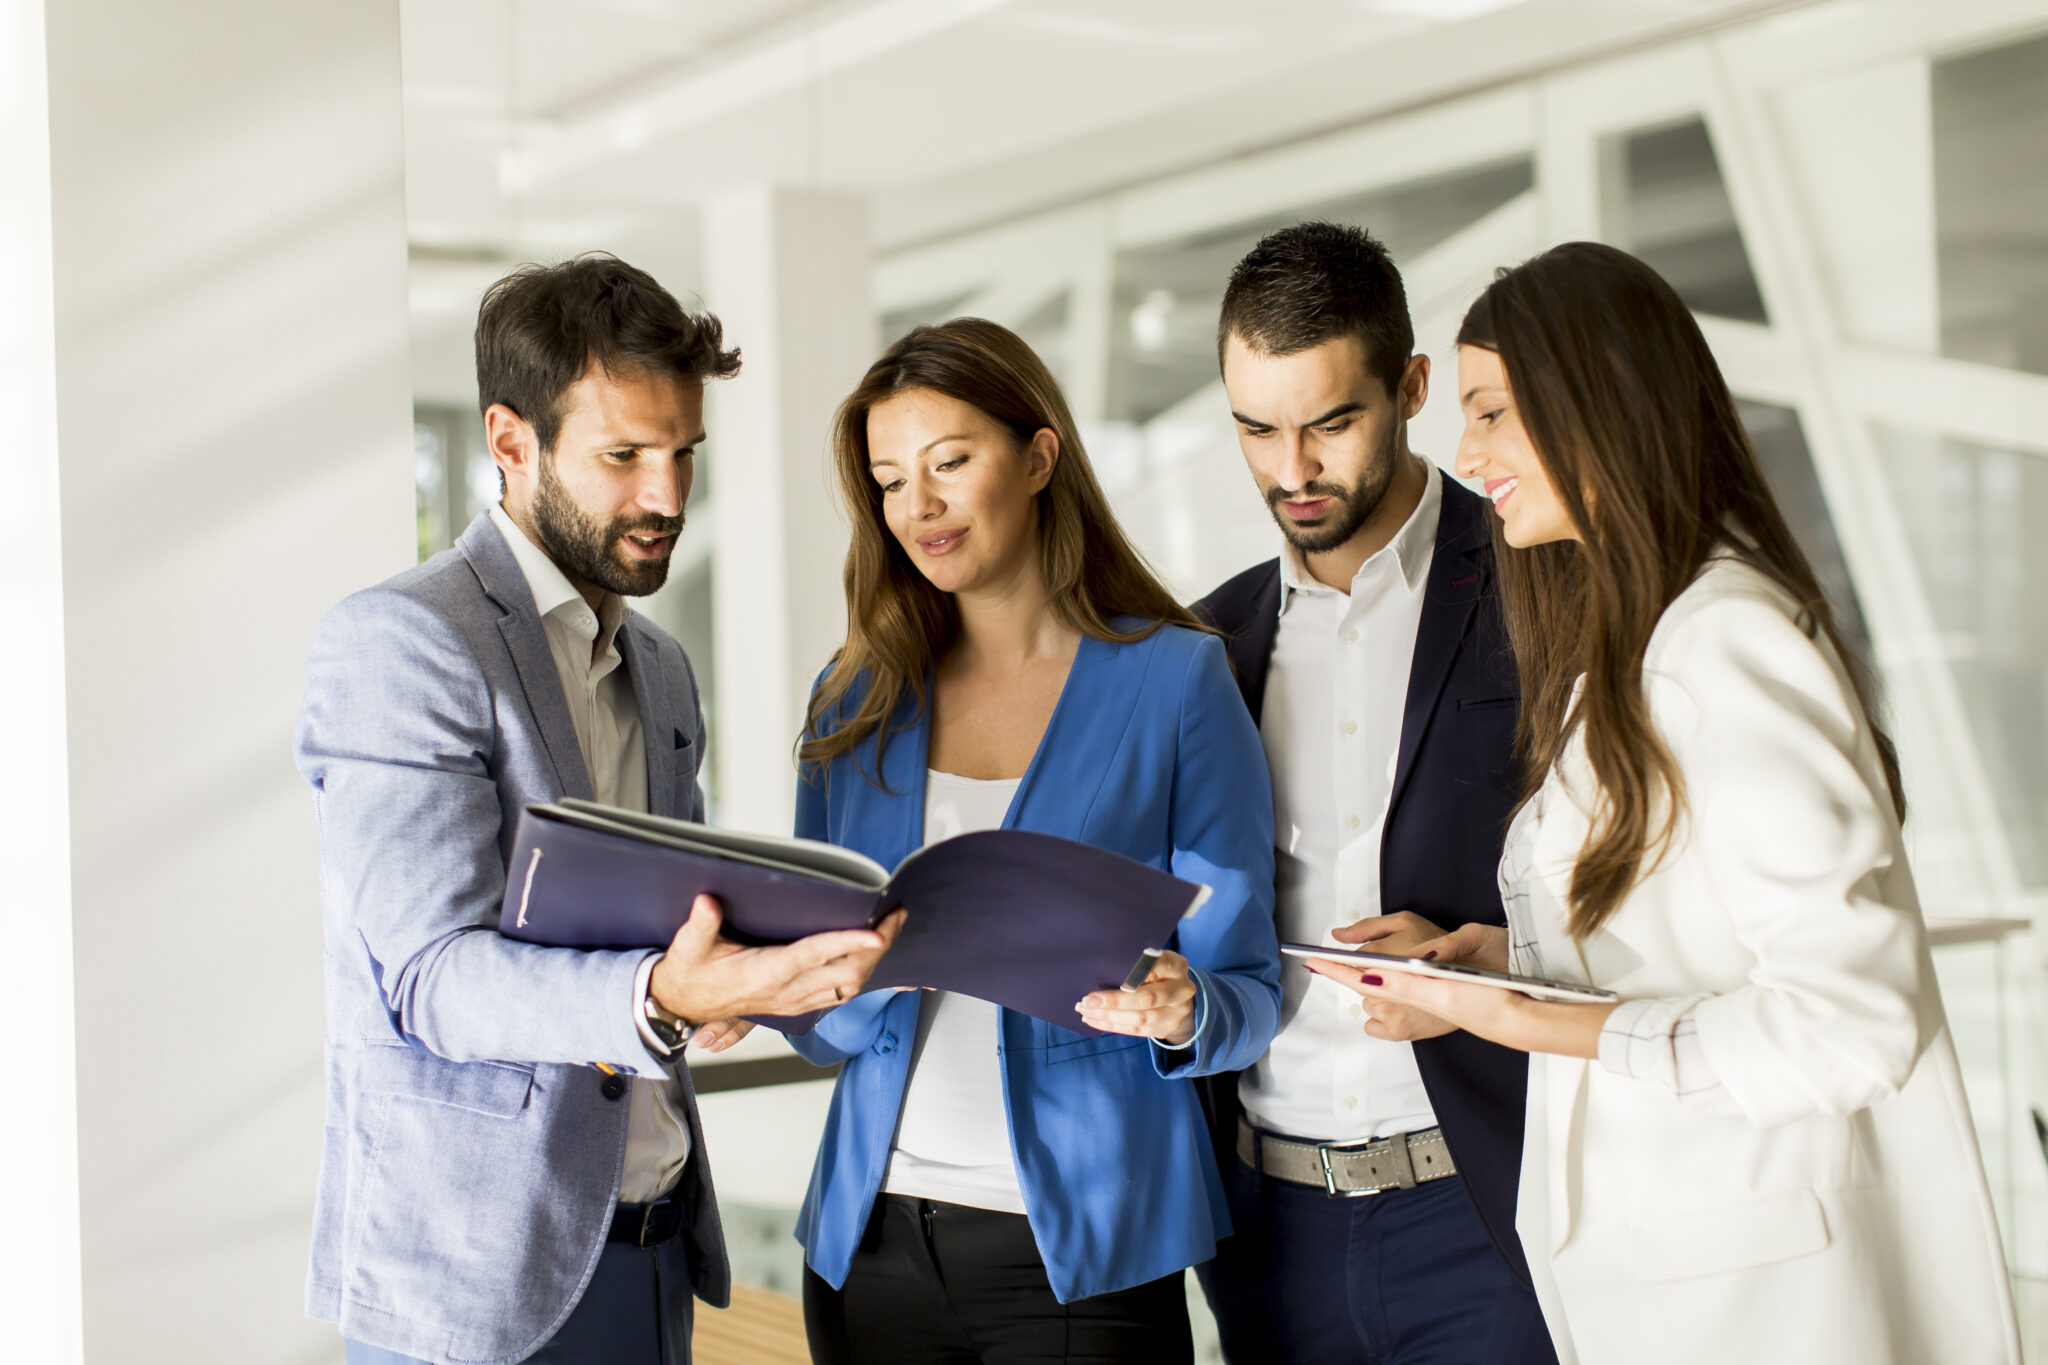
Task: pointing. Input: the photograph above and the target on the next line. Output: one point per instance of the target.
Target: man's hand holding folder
(704, 977)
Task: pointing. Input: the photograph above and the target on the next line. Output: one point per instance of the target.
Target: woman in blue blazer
(991, 1187)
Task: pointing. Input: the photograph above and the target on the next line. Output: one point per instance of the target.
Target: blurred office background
(262, 234)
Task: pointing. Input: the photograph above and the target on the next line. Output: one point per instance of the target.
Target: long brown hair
(1632, 421)
(898, 625)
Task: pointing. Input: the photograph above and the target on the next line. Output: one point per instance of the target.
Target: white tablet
(1537, 987)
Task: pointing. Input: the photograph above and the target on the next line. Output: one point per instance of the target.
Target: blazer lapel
(490, 558)
(1251, 647)
(657, 723)
(1094, 709)
(1459, 576)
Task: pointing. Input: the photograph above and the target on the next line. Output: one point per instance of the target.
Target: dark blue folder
(1029, 921)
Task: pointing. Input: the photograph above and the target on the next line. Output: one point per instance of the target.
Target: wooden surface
(761, 1328)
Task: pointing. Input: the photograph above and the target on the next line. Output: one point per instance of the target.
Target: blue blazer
(1150, 753)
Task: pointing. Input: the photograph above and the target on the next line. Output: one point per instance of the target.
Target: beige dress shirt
(584, 644)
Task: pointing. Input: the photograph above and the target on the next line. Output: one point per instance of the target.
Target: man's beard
(590, 551)
(1354, 505)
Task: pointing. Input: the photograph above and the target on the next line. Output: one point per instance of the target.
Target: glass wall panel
(1969, 512)
(1167, 295)
(1780, 444)
(896, 321)
(1663, 199)
(453, 476)
(1990, 113)
(1044, 330)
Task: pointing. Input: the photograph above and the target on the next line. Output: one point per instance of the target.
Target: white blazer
(1832, 1206)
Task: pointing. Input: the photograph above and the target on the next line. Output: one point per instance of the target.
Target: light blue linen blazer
(1150, 753)
(471, 1158)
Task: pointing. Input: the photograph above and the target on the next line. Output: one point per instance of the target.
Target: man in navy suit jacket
(1373, 655)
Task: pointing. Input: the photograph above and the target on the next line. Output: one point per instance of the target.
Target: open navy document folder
(1030, 921)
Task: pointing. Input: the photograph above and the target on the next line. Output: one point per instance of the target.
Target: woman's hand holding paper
(1162, 1008)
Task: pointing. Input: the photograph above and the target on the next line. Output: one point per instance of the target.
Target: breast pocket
(1487, 703)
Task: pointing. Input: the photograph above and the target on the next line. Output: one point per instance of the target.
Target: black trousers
(940, 1283)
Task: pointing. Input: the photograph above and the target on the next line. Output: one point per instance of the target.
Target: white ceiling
(542, 127)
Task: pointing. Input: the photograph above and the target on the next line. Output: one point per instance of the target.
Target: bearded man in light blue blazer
(512, 1166)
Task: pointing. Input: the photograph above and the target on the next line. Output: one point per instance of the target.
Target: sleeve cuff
(1636, 1039)
(641, 977)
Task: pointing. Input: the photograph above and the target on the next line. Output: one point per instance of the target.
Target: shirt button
(1351, 1101)
(1351, 636)
(1351, 822)
(613, 1087)
(1357, 1009)
(1350, 727)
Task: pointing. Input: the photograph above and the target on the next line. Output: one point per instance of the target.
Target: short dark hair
(1310, 283)
(542, 326)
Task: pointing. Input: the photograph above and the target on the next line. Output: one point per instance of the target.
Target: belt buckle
(647, 1212)
(1323, 1150)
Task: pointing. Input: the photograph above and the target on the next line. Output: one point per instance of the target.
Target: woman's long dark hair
(897, 624)
(1628, 412)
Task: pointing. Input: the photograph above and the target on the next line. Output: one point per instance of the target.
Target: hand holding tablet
(1536, 987)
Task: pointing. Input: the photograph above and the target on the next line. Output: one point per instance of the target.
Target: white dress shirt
(953, 1132)
(1336, 691)
(584, 644)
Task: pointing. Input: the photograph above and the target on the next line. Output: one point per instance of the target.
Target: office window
(1990, 113)
(1780, 444)
(1664, 200)
(1167, 295)
(1968, 511)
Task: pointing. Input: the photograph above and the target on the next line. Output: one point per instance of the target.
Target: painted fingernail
(1371, 980)
(1429, 956)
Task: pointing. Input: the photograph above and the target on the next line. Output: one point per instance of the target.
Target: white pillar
(787, 272)
(40, 1293)
(202, 243)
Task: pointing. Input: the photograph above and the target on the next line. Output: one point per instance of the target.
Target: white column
(205, 345)
(40, 1293)
(787, 272)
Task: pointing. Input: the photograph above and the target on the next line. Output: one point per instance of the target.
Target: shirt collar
(552, 590)
(1412, 547)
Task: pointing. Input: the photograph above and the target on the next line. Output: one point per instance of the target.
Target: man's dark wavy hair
(542, 326)
(1313, 282)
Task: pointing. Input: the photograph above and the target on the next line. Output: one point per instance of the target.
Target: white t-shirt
(953, 1134)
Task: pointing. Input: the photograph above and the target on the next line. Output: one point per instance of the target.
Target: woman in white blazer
(1762, 1153)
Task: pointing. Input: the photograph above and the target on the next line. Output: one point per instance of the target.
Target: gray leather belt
(1349, 1169)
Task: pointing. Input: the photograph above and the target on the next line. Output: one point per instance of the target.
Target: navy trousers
(622, 1319)
(1403, 1277)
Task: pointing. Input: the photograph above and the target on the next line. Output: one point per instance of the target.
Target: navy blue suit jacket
(1454, 790)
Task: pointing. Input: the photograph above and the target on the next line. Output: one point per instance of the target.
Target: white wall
(233, 455)
(39, 1289)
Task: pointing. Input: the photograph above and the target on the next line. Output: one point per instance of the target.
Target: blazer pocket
(1694, 1245)
(1486, 703)
(496, 1089)
(1083, 1048)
